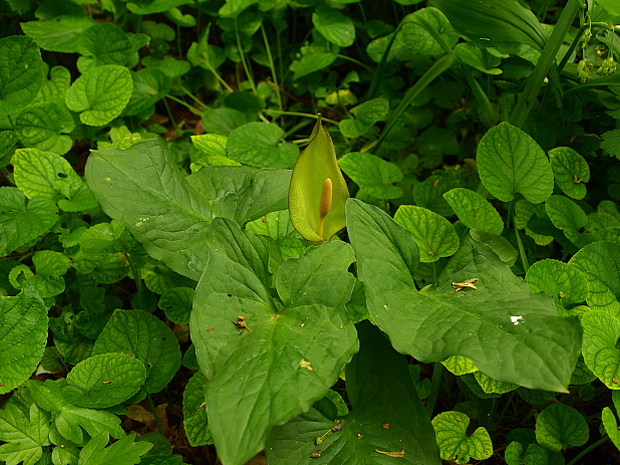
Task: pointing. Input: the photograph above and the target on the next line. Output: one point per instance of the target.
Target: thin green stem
(194, 110)
(587, 450)
(353, 60)
(571, 48)
(435, 385)
(488, 115)
(138, 280)
(547, 58)
(157, 423)
(297, 113)
(440, 66)
(174, 123)
(297, 127)
(246, 66)
(192, 96)
(272, 67)
(524, 262)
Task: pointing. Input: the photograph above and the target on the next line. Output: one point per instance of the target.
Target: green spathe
(315, 213)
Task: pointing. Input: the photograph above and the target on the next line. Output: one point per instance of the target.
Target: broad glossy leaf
(148, 339)
(242, 193)
(532, 346)
(511, 162)
(387, 417)
(104, 380)
(601, 331)
(23, 220)
(600, 264)
(334, 26)
(474, 210)
(560, 427)
(60, 34)
(25, 433)
(259, 145)
(506, 25)
(141, 7)
(21, 74)
(105, 44)
(478, 58)
(23, 334)
(69, 419)
(195, 420)
(419, 40)
(434, 234)
(101, 94)
(40, 126)
(318, 191)
(143, 189)
(267, 359)
(454, 442)
(372, 174)
(570, 170)
(564, 283)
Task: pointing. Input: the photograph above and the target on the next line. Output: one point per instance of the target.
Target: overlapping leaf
(532, 347)
(267, 359)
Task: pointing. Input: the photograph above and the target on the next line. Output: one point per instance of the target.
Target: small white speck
(516, 320)
(108, 179)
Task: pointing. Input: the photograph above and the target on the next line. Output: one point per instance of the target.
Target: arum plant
(318, 191)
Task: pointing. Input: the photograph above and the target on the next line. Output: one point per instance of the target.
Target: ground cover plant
(321, 231)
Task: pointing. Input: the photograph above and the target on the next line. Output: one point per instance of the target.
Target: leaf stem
(297, 113)
(587, 450)
(272, 66)
(353, 60)
(246, 66)
(546, 60)
(524, 262)
(192, 96)
(194, 110)
(435, 385)
(157, 423)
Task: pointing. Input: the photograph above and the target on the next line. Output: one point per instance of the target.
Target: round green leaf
(611, 426)
(44, 174)
(23, 334)
(146, 337)
(560, 427)
(499, 244)
(22, 223)
(177, 304)
(429, 193)
(372, 174)
(459, 365)
(434, 234)
(334, 26)
(601, 331)
(259, 145)
(39, 126)
(453, 441)
(569, 217)
(419, 40)
(60, 34)
(149, 86)
(21, 73)
(195, 419)
(564, 283)
(371, 111)
(104, 380)
(105, 44)
(600, 264)
(474, 210)
(571, 171)
(101, 94)
(511, 162)
(492, 386)
(534, 454)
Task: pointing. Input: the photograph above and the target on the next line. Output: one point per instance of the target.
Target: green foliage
(173, 231)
